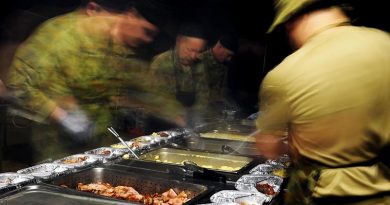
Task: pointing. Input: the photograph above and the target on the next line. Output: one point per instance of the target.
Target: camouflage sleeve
(217, 76)
(203, 91)
(162, 84)
(34, 79)
(162, 72)
(26, 85)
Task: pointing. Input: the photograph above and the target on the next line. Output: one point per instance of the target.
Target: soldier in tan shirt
(332, 95)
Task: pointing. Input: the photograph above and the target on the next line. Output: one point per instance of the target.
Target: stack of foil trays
(79, 160)
(11, 180)
(261, 185)
(45, 171)
(107, 153)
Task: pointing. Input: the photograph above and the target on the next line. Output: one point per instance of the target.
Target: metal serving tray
(213, 161)
(227, 131)
(43, 194)
(144, 184)
(219, 146)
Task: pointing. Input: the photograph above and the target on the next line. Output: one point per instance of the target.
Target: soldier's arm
(273, 121)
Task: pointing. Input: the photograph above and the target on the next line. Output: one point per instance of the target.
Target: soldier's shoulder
(162, 61)
(164, 56)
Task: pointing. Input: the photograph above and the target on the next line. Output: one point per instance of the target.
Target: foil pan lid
(265, 184)
(234, 196)
(44, 171)
(222, 203)
(10, 179)
(79, 160)
(106, 152)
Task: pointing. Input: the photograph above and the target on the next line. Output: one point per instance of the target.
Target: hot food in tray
(170, 197)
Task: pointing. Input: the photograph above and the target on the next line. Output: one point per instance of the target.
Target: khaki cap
(285, 9)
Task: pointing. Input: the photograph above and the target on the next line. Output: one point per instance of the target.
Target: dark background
(258, 52)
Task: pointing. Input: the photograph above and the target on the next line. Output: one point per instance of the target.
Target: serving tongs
(203, 173)
(112, 130)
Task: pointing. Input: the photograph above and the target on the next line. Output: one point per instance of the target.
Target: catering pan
(212, 161)
(43, 194)
(226, 131)
(144, 184)
(217, 145)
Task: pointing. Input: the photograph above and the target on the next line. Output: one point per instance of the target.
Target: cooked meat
(105, 152)
(266, 189)
(129, 193)
(74, 160)
(163, 134)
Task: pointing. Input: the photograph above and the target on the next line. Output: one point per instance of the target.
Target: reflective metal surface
(214, 161)
(220, 146)
(227, 130)
(43, 194)
(143, 183)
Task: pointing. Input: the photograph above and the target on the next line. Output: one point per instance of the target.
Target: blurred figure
(179, 72)
(332, 95)
(77, 70)
(216, 61)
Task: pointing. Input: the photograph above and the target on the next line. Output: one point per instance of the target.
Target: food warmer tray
(217, 145)
(44, 194)
(213, 161)
(143, 183)
(226, 131)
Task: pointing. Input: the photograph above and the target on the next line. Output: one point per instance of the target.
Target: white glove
(77, 126)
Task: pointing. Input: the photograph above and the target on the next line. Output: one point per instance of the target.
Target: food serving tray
(249, 182)
(10, 180)
(212, 161)
(216, 134)
(107, 153)
(144, 184)
(135, 146)
(43, 194)
(219, 146)
(45, 171)
(239, 197)
(79, 160)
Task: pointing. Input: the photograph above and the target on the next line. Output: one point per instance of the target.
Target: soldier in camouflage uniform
(76, 70)
(216, 61)
(180, 73)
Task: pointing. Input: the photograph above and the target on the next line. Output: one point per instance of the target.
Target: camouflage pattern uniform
(217, 74)
(72, 60)
(186, 79)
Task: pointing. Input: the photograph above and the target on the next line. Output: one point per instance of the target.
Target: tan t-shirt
(333, 96)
